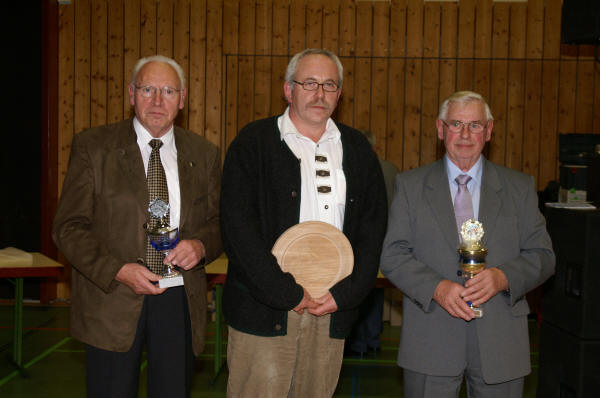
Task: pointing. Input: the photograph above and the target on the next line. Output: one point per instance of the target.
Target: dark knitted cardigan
(260, 199)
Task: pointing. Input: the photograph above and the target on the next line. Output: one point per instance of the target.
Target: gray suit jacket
(99, 228)
(420, 250)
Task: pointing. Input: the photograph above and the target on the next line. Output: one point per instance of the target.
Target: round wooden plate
(318, 255)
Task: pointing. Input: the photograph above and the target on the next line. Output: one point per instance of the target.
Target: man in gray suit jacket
(442, 341)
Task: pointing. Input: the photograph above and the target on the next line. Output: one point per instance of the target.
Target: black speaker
(571, 298)
(569, 367)
(580, 22)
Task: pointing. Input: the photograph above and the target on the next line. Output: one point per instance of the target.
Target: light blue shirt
(474, 185)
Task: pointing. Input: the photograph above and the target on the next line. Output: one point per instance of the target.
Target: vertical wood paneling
(533, 86)
(297, 26)
(314, 23)
(214, 53)
(466, 44)
(230, 46)
(197, 81)
(483, 48)
(131, 50)
(400, 57)
(246, 62)
(181, 52)
(413, 73)
(279, 47)
(66, 88)
(99, 62)
(148, 28)
(331, 20)
(164, 28)
(115, 62)
(379, 73)
(82, 65)
(395, 137)
(431, 82)
(498, 98)
(516, 85)
(364, 27)
(550, 79)
(345, 108)
(262, 86)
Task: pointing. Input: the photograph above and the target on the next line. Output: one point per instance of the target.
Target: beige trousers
(305, 362)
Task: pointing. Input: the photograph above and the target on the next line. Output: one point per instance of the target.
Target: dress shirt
(328, 207)
(168, 157)
(474, 185)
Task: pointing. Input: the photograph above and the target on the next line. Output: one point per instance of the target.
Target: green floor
(55, 364)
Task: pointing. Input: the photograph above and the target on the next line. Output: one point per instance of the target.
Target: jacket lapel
(489, 201)
(131, 163)
(437, 193)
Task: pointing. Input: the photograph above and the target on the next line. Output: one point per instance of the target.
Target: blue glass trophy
(164, 238)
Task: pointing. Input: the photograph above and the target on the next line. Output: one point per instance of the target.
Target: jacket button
(459, 273)
(294, 194)
(278, 327)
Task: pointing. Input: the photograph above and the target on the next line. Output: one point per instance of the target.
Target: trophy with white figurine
(164, 238)
(472, 254)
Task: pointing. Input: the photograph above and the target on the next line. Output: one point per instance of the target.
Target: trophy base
(478, 312)
(171, 281)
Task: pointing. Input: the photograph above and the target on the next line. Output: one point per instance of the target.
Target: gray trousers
(419, 385)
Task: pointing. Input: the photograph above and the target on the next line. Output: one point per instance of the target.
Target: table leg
(18, 324)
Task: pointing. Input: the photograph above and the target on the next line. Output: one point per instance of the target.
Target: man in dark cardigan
(300, 166)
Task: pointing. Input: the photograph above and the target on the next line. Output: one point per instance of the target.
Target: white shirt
(323, 206)
(474, 185)
(168, 157)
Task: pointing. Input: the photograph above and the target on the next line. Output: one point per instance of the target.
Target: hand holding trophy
(472, 254)
(164, 238)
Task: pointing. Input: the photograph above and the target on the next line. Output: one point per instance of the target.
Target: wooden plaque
(318, 255)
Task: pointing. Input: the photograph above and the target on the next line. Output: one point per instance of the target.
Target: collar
(287, 127)
(144, 137)
(474, 172)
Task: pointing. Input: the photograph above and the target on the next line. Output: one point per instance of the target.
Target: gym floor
(55, 363)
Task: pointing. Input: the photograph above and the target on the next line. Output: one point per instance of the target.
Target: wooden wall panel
(401, 58)
(550, 79)
(115, 72)
(99, 61)
(498, 100)
(533, 86)
(431, 82)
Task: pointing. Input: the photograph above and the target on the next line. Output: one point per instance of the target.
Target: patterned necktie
(157, 188)
(463, 205)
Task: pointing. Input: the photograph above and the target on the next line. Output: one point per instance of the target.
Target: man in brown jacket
(117, 307)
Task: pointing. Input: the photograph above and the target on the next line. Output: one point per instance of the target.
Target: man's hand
(448, 294)
(485, 285)
(306, 302)
(186, 254)
(326, 305)
(139, 279)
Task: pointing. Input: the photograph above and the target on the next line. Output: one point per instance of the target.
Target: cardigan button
(294, 194)
(278, 327)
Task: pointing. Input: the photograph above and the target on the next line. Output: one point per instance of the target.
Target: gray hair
(292, 68)
(158, 58)
(463, 97)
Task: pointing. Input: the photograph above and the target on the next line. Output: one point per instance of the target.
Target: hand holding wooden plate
(318, 255)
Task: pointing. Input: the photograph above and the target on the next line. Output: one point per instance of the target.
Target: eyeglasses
(311, 85)
(457, 126)
(166, 92)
